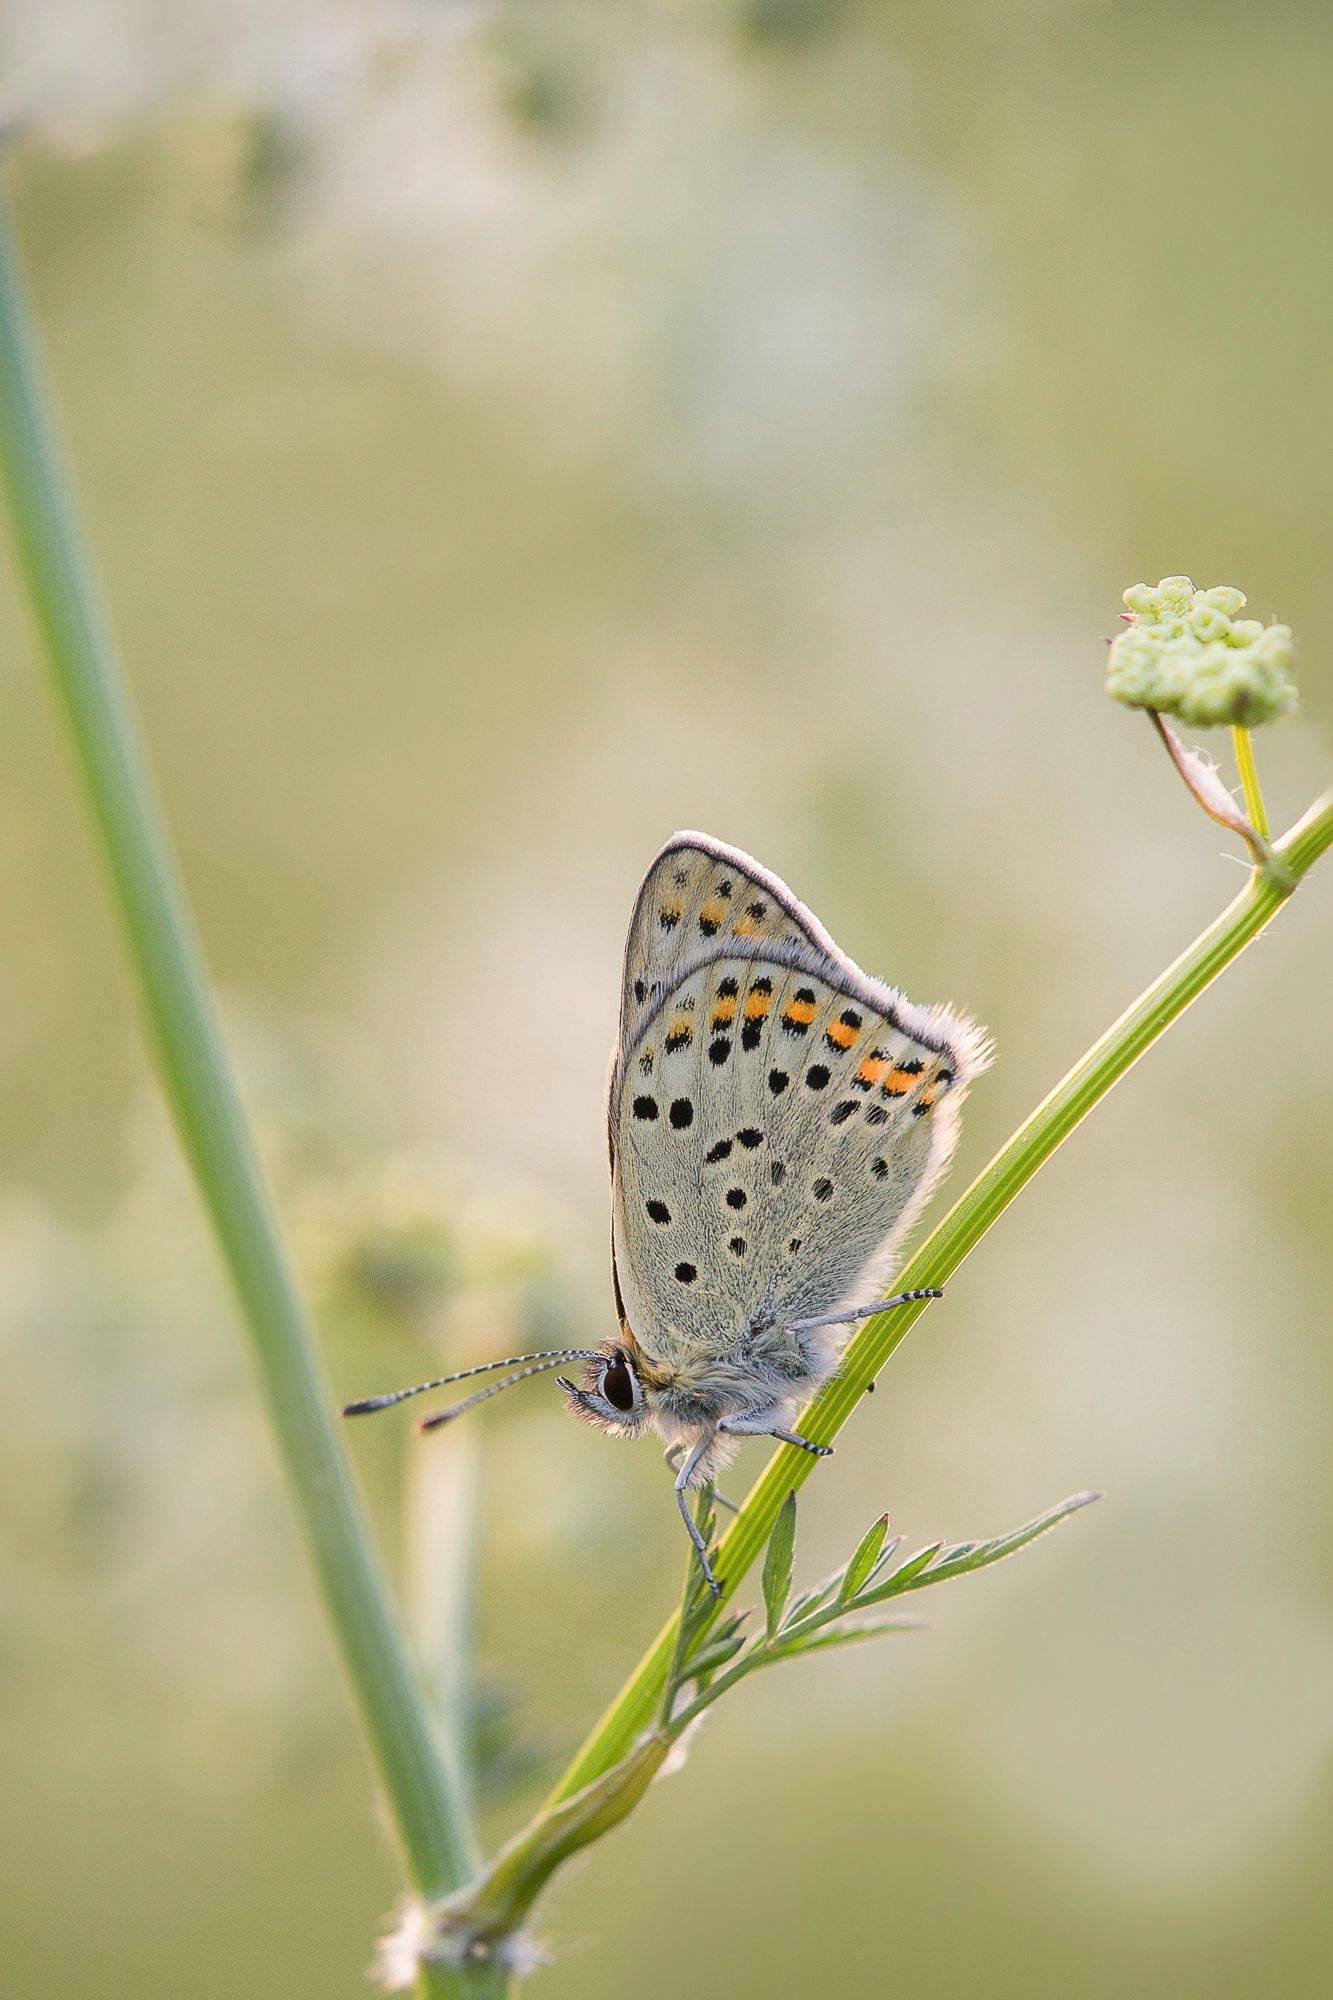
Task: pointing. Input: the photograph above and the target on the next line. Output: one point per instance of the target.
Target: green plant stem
(1249, 778)
(944, 1250)
(484, 1982)
(424, 1796)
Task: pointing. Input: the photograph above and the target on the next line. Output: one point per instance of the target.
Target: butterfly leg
(760, 1424)
(864, 1312)
(682, 1487)
(672, 1456)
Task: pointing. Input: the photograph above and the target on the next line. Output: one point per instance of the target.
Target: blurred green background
(512, 432)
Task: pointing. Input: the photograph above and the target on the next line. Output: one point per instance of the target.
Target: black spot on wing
(718, 1050)
(842, 1112)
(718, 1152)
(682, 1113)
(822, 1190)
(645, 1107)
(749, 1138)
(816, 1076)
(778, 1080)
(659, 1211)
(880, 1169)
(686, 1273)
(736, 1197)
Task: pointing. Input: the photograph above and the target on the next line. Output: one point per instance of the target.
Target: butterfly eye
(618, 1385)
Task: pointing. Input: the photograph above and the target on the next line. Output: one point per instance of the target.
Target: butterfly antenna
(541, 1364)
(863, 1312)
(366, 1404)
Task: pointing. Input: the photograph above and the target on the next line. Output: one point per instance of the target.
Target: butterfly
(775, 1121)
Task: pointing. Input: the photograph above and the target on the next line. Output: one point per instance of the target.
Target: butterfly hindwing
(776, 1117)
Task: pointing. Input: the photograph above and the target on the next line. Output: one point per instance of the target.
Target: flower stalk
(1200, 775)
(425, 1793)
(1243, 743)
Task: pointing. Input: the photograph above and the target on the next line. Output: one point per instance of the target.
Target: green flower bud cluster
(1187, 654)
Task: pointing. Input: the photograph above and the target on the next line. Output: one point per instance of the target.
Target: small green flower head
(1187, 654)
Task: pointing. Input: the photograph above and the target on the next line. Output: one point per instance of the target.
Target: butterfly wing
(776, 1117)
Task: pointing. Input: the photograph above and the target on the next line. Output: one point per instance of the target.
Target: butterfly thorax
(761, 1366)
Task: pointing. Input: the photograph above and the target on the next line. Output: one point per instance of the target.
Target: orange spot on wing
(724, 1013)
(713, 912)
(840, 1034)
(680, 1034)
(872, 1069)
(757, 1004)
(800, 1011)
(901, 1079)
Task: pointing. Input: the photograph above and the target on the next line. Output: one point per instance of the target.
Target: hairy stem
(425, 1797)
(944, 1250)
(1202, 779)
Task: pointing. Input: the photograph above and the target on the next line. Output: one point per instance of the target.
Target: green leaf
(961, 1558)
(715, 1656)
(843, 1635)
(865, 1560)
(777, 1563)
(810, 1599)
(903, 1578)
(722, 1634)
(886, 1555)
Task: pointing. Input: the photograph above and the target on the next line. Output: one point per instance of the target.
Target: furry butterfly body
(775, 1120)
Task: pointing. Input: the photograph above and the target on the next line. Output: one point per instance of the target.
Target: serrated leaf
(865, 1559)
(961, 1558)
(778, 1562)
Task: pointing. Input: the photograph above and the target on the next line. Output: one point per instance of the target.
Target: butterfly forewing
(776, 1115)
